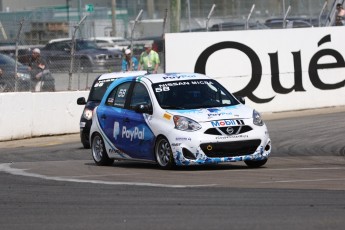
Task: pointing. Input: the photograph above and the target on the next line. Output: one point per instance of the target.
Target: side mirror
(241, 99)
(143, 108)
(81, 101)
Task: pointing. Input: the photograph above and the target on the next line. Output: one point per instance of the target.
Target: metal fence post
(285, 16)
(70, 74)
(209, 16)
(16, 56)
(137, 19)
(321, 12)
(163, 36)
(249, 15)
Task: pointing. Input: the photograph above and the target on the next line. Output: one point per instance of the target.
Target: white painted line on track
(289, 169)
(298, 181)
(22, 172)
(102, 175)
(243, 170)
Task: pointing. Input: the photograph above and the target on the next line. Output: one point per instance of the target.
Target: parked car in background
(291, 22)
(8, 78)
(88, 56)
(111, 43)
(229, 26)
(176, 119)
(98, 88)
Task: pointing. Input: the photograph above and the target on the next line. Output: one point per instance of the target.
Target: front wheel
(255, 164)
(99, 153)
(164, 154)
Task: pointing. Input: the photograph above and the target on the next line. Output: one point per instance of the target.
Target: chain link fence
(74, 63)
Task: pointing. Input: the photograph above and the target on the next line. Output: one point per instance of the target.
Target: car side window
(140, 95)
(118, 96)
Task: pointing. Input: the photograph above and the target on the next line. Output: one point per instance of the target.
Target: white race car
(176, 119)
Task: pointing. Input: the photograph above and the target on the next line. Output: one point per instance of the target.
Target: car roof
(67, 39)
(108, 38)
(121, 75)
(59, 40)
(169, 77)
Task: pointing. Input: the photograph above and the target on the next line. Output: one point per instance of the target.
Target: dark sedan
(229, 26)
(291, 22)
(88, 56)
(8, 77)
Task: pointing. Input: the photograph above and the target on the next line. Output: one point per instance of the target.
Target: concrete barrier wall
(25, 115)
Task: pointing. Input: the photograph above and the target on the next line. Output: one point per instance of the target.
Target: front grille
(235, 130)
(230, 149)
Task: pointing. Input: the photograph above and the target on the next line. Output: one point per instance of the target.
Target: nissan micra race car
(176, 119)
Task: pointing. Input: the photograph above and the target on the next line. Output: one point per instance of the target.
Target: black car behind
(8, 77)
(99, 86)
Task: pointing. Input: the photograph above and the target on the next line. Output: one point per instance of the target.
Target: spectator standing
(129, 63)
(149, 59)
(37, 68)
(340, 17)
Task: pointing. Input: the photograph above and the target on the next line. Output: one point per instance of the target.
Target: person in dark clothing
(340, 16)
(39, 71)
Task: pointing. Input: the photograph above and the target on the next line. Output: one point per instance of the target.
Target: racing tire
(163, 154)
(99, 154)
(255, 164)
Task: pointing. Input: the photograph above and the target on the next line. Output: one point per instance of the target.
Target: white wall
(28, 114)
(246, 56)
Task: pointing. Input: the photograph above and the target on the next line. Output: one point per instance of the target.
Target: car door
(125, 128)
(135, 130)
(111, 116)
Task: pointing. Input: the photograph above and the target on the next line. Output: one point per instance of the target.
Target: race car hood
(218, 113)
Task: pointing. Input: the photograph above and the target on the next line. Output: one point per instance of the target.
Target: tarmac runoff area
(302, 172)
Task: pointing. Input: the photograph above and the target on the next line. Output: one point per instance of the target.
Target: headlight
(87, 114)
(186, 124)
(23, 76)
(257, 120)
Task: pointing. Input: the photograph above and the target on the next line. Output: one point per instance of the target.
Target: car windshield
(98, 89)
(85, 45)
(192, 94)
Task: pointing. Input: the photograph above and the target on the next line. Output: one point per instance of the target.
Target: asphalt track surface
(52, 183)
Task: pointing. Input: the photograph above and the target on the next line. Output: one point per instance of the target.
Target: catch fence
(72, 67)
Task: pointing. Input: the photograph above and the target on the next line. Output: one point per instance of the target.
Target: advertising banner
(275, 70)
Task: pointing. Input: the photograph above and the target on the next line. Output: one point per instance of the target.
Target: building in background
(47, 19)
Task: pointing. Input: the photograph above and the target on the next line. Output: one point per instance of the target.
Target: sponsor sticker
(233, 136)
(167, 116)
(132, 134)
(223, 123)
(183, 139)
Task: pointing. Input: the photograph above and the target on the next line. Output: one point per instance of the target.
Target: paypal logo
(131, 134)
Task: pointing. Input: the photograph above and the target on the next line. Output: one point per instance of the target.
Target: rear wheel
(164, 154)
(99, 153)
(255, 164)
